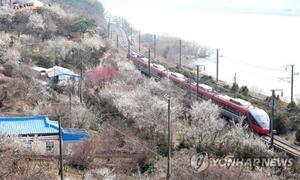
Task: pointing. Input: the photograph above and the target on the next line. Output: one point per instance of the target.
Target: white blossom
(205, 119)
(12, 54)
(60, 46)
(36, 21)
(91, 42)
(141, 99)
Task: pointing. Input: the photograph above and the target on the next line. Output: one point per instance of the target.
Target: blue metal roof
(75, 135)
(63, 74)
(28, 125)
(39, 125)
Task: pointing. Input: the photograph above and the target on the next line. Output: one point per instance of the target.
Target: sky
(211, 5)
(139, 12)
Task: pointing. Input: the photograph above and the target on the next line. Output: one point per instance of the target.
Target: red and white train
(233, 108)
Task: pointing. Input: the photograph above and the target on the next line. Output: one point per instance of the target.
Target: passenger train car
(232, 108)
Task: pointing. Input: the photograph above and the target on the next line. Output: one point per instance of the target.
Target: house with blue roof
(56, 75)
(39, 133)
(59, 75)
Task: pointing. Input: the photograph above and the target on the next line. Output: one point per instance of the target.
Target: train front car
(260, 121)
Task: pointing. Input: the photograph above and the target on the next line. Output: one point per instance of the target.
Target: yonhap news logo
(201, 161)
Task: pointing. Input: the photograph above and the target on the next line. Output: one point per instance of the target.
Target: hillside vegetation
(92, 9)
(167, 48)
(124, 111)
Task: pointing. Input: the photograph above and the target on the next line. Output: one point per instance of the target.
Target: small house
(59, 75)
(29, 5)
(56, 75)
(39, 134)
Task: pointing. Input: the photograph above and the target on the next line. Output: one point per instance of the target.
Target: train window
(233, 111)
(255, 123)
(252, 120)
(29, 4)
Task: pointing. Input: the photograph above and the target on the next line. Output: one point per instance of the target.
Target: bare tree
(83, 154)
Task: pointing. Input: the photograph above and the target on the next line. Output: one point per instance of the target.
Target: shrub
(60, 48)
(226, 86)
(205, 121)
(244, 90)
(187, 74)
(243, 143)
(36, 21)
(44, 61)
(83, 155)
(12, 54)
(294, 122)
(8, 69)
(12, 69)
(207, 80)
(137, 98)
(234, 88)
(281, 123)
(161, 62)
(83, 25)
(14, 165)
(292, 107)
(4, 45)
(101, 74)
(81, 117)
(103, 173)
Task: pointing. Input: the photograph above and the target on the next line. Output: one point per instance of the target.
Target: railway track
(283, 145)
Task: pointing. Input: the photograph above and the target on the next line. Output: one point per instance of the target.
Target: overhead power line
(253, 65)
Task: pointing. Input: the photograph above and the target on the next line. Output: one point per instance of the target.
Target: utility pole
(149, 56)
(234, 78)
(80, 82)
(128, 55)
(292, 80)
(154, 46)
(61, 171)
(273, 117)
(117, 41)
(70, 102)
(108, 28)
(139, 41)
(180, 53)
(131, 35)
(198, 66)
(217, 71)
(197, 82)
(292, 84)
(169, 140)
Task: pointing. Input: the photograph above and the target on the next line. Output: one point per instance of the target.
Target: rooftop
(177, 75)
(28, 125)
(38, 125)
(60, 71)
(159, 66)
